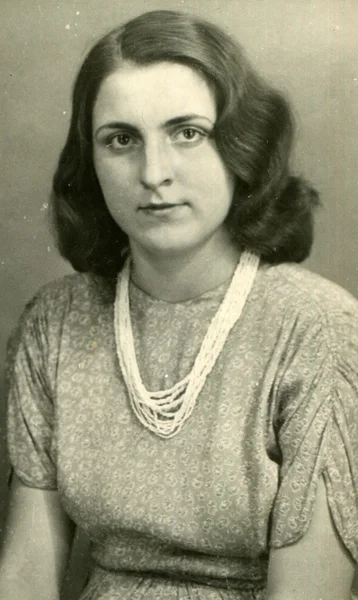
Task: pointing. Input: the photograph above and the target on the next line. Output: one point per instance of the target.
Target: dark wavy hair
(271, 210)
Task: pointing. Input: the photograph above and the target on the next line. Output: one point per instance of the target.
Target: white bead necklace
(164, 412)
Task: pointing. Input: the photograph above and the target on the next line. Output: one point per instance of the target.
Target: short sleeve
(317, 429)
(30, 399)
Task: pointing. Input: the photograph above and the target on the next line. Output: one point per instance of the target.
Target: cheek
(218, 185)
(214, 179)
(114, 178)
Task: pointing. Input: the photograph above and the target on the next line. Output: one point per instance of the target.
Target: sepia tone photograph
(179, 300)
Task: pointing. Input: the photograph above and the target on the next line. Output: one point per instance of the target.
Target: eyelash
(110, 142)
(196, 130)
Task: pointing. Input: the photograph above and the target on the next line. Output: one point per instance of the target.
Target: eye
(121, 141)
(190, 135)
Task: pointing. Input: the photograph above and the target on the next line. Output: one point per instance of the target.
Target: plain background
(307, 48)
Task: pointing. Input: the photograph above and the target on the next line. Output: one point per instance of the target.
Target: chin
(167, 248)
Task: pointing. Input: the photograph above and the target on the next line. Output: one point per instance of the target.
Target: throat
(179, 280)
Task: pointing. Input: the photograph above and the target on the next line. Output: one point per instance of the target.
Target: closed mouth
(159, 207)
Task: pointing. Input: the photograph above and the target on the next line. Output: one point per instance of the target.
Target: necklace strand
(164, 412)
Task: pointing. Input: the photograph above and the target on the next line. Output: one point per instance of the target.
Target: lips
(159, 207)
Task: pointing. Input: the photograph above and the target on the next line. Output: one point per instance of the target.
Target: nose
(157, 167)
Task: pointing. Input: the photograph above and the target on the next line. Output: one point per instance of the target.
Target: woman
(190, 400)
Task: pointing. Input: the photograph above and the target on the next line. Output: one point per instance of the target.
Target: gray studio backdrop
(308, 48)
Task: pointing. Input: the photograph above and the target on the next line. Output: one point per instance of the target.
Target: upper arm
(315, 567)
(37, 542)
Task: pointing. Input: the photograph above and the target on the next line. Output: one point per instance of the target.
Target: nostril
(153, 186)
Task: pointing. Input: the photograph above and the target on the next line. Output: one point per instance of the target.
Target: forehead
(153, 94)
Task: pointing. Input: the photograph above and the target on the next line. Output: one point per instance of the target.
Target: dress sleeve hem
(347, 541)
(281, 541)
(350, 542)
(45, 484)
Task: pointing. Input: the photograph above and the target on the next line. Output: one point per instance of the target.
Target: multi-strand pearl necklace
(164, 412)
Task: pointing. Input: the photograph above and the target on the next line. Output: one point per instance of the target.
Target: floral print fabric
(193, 516)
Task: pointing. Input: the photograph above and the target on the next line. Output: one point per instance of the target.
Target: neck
(176, 278)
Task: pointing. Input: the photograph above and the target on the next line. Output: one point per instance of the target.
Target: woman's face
(161, 175)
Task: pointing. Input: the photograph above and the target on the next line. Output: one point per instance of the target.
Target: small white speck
(64, 112)
(48, 249)
(78, 13)
(67, 26)
(44, 206)
(355, 79)
(2, 262)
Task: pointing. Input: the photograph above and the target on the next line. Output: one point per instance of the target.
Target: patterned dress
(193, 516)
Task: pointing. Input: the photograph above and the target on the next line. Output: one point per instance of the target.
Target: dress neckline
(215, 293)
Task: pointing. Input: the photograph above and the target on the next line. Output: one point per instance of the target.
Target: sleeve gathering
(317, 430)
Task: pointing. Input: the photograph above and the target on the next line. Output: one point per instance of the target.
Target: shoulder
(308, 292)
(310, 287)
(68, 292)
(309, 298)
(62, 300)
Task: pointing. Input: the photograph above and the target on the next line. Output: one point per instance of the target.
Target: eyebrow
(169, 123)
